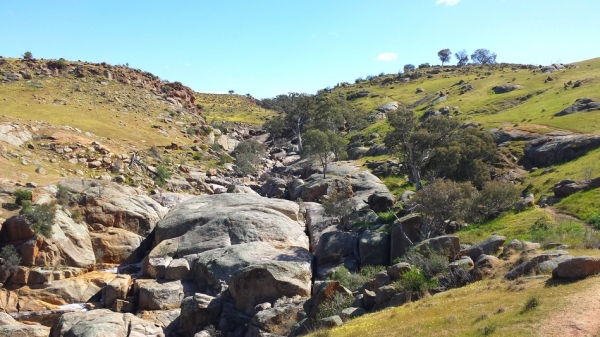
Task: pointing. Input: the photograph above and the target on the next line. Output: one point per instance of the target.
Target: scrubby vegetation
(22, 195)
(10, 256)
(41, 217)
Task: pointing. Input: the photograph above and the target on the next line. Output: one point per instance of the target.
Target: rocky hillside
(124, 214)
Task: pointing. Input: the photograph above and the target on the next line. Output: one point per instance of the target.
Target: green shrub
(434, 265)
(224, 158)
(347, 279)
(247, 154)
(10, 256)
(62, 195)
(27, 55)
(61, 63)
(531, 304)
(41, 217)
(370, 271)
(22, 195)
(334, 305)
(354, 281)
(190, 131)
(415, 280)
(594, 221)
(76, 215)
(162, 174)
(197, 156)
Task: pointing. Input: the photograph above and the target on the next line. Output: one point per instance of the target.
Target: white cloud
(447, 2)
(387, 57)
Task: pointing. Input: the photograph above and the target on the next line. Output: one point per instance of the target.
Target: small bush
(531, 304)
(594, 221)
(247, 155)
(224, 158)
(62, 195)
(190, 131)
(99, 255)
(162, 174)
(370, 271)
(61, 63)
(22, 195)
(347, 279)
(41, 217)
(27, 55)
(76, 216)
(10, 256)
(197, 156)
(487, 330)
(334, 305)
(415, 280)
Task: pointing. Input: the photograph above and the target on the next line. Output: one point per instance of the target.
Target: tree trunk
(416, 176)
(299, 135)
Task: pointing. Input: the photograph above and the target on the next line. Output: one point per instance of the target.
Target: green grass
(493, 306)
(582, 205)
(232, 108)
(534, 114)
(511, 225)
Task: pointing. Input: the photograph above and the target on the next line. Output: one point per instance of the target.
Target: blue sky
(267, 48)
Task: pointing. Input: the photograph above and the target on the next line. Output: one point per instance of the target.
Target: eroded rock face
(69, 244)
(118, 245)
(113, 205)
(14, 134)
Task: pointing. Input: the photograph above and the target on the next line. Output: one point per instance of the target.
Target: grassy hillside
(232, 108)
(495, 110)
(127, 110)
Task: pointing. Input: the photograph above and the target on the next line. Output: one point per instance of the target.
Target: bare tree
(462, 57)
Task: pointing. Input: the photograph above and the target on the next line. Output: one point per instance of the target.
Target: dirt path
(565, 217)
(578, 318)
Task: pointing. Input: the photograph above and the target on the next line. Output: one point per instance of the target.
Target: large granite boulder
(103, 322)
(197, 312)
(489, 246)
(577, 267)
(233, 239)
(160, 294)
(374, 249)
(406, 231)
(14, 134)
(549, 150)
(276, 279)
(213, 267)
(444, 244)
(117, 245)
(582, 104)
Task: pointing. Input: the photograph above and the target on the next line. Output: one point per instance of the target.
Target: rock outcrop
(113, 205)
(236, 240)
(582, 104)
(550, 150)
